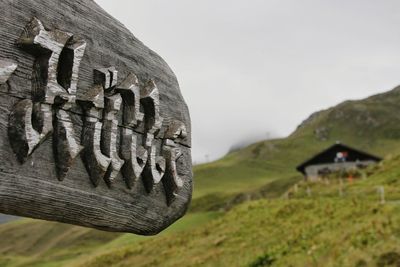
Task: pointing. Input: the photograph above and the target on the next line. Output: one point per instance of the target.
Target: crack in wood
(54, 85)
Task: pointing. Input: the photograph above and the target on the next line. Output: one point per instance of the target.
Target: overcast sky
(249, 69)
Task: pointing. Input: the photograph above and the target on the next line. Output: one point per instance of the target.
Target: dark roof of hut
(328, 156)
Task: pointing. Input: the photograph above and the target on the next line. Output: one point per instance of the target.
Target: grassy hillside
(321, 229)
(372, 124)
(39, 243)
(220, 231)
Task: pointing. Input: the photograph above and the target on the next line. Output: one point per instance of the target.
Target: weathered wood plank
(59, 117)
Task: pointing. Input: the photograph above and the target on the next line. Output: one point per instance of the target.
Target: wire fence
(349, 187)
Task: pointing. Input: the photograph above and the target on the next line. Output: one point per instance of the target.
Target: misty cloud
(251, 67)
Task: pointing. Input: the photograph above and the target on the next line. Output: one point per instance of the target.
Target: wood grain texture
(32, 189)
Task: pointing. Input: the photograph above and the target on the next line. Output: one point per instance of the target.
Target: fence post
(309, 191)
(381, 194)
(340, 187)
(364, 175)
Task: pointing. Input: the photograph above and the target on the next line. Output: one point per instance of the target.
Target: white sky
(248, 68)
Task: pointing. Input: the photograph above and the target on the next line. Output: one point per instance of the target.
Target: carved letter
(130, 92)
(68, 68)
(135, 157)
(172, 182)
(150, 98)
(95, 162)
(134, 154)
(66, 147)
(24, 137)
(109, 137)
(47, 46)
(54, 82)
(155, 167)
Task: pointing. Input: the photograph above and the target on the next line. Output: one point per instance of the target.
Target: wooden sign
(94, 130)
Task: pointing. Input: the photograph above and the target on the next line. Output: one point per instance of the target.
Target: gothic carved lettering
(66, 147)
(109, 148)
(110, 136)
(172, 181)
(134, 154)
(130, 92)
(135, 157)
(54, 83)
(24, 135)
(150, 98)
(96, 162)
(47, 47)
(155, 167)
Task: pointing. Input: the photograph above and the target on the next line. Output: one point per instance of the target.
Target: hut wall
(313, 172)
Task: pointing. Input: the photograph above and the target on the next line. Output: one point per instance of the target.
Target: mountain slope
(321, 229)
(371, 124)
(240, 237)
(324, 229)
(39, 243)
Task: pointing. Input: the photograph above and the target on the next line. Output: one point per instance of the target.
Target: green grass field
(318, 230)
(240, 216)
(323, 229)
(38, 243)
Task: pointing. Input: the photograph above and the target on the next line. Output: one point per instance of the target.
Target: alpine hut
(338, 157)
